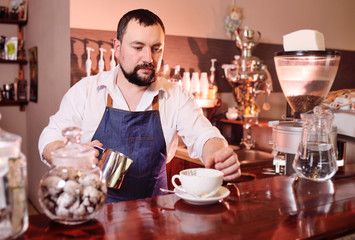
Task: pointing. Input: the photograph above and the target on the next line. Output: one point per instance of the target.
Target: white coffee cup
(199, 182)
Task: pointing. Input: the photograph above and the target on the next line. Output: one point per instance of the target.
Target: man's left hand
(225, 160)
(217, 154)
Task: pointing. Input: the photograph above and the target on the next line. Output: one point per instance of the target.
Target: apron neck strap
(155, 104)
(109, 101)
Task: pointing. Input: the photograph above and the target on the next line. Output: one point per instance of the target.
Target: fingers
(226, 161)
(230, 169)
(209, 162)
(223, 154)
(97, 153)
(231, 173)
(94, 143)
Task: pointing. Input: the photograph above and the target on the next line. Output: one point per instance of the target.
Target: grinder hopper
(306, 77)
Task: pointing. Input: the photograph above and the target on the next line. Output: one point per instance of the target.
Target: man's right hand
(92, 144)
(47, 152)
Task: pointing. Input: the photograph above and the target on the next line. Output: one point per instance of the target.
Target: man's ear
(116, 47)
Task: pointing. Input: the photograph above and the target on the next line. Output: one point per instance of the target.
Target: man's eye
(138, 48)
(157, 50)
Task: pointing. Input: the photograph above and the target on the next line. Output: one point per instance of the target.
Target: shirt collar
(107, 79)
(159, 86)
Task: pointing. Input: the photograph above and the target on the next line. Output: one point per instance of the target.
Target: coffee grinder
(305, 78)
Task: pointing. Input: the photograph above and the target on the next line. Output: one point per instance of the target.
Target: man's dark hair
(143, 16)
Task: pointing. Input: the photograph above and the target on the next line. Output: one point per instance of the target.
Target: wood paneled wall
(193, 54)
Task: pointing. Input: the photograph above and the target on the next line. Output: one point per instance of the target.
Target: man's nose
(147, 56)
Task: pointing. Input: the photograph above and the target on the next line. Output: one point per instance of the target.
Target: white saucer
(221, 194)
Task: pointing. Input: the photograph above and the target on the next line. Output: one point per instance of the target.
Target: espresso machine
(305, 78)
(248, 78)
(247, 75)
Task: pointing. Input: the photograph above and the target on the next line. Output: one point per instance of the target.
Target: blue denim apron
(138, 135)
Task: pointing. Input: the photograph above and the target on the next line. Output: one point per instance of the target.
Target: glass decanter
(13, 185)
(74, 189)
(315, 158)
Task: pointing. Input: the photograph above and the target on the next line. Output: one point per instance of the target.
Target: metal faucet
(247, 140)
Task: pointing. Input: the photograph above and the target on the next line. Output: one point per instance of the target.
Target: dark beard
(137, 80)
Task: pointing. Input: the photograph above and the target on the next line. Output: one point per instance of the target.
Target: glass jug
(74, 189)
(315, 158)
(13, 183)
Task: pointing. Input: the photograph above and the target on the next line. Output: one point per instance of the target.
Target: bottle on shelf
(212, 88)
(186, 81)
(176, 78)
(101, 61)
(195, 85)
(112, 62)
(165, 72)
(88, 62)
(204, 85)
(2, 47)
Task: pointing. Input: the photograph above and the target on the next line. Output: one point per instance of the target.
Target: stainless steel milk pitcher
(114, 166)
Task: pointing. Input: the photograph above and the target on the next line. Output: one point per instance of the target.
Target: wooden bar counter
(277, 207)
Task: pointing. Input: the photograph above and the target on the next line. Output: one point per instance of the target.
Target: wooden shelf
(13, 21)
(21, 103)
(18, 61)
(208, 103)
(260, 123)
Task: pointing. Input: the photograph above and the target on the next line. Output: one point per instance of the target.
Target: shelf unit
(21, 61)
(208, 106)
(18, 61)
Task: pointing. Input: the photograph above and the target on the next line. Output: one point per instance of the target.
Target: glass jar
(13, 184)
(315, 157)
(74, 189)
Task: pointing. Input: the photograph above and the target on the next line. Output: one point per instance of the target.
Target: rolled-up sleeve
(68, 115)
(193, 127)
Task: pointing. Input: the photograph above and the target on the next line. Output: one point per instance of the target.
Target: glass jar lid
(9, 143)
(73, 153)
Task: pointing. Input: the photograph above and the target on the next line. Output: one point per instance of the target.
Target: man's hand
(92, 144)
(47, 152)
(217, 154)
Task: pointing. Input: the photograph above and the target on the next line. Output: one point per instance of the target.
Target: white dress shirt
(84, 104)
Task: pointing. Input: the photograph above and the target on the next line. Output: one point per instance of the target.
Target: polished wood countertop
(277, 207)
